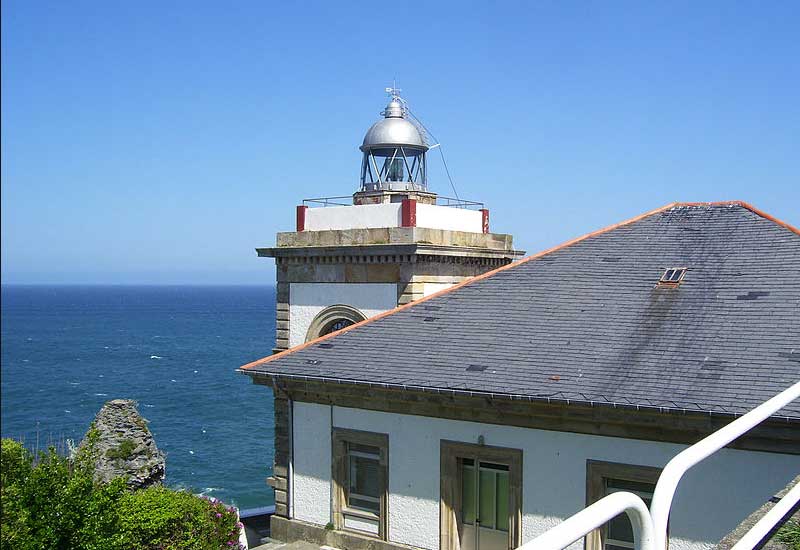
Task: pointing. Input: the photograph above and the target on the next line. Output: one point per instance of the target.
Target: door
(480, 506)
(484, 505)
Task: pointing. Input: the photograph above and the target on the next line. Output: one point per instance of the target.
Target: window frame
(597, 474)
(330, 315)
(340, 439)
(672, 282)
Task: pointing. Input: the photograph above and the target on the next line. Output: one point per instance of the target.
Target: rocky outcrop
(120, 444)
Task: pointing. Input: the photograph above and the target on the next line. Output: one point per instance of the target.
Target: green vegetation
(790, 534)
(123, 450)
(50, 501)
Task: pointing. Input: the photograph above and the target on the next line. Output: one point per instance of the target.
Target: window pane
(364, 487)
(361, 524)
(620, 529)
(492, 466)
(502, 501)
(366, 449)
(364, 476)
(467, 493)
(619, 532)
(487, 496)
(361, 504)
(632, 486)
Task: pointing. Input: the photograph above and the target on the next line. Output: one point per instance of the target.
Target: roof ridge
(471, 280)
(749, 207)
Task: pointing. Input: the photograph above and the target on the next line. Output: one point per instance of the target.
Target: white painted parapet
(364, 216)
(452, 219)
(373, 216)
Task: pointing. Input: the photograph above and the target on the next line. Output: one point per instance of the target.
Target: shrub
(790, 534)
(123, 450)
(157, 517)
(50, 501)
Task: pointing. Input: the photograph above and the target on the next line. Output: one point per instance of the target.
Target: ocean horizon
(69, 348)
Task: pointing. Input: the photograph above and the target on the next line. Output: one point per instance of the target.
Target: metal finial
(394, 91)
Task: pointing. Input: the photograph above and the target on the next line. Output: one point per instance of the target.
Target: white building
(479, 416)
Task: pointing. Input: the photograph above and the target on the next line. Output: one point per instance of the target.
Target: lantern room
(394, 151)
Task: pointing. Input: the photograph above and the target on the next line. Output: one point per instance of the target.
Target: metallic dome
(393, 130)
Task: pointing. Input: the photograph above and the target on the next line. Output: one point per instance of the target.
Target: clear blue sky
(160, 142)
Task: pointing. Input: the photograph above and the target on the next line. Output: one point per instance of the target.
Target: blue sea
(174, 349)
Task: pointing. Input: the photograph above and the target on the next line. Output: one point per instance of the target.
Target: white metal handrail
(763, 526)
(680, 464)
(650, 526)
(592, 517)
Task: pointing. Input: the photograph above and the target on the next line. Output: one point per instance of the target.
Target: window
(360, 479)
(672, 276)
(335, 325)
(605, 478)
(333, 318)
(363, 473)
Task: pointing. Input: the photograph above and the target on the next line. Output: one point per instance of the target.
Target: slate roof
(586, 321)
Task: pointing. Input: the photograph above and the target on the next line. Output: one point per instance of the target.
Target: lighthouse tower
(393, 242)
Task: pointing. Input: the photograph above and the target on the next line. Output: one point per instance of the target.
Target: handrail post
(680, 464)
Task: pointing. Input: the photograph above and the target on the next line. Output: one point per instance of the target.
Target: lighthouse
(391, 242)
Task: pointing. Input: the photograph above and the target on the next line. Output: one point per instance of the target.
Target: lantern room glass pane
(395, 171)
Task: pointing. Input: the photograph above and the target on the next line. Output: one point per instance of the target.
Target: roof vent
(672, 276)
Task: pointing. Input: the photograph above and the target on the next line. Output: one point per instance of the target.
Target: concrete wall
(370, 216)
(711, 500)
(452, 219)
(306, 300)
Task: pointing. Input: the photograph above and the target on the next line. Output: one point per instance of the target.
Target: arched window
(333, 318)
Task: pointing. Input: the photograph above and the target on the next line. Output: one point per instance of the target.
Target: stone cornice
(387, 250)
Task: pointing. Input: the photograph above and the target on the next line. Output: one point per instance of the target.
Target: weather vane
(394, 91)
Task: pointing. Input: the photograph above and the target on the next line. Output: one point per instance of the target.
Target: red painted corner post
(485, 220)
(408, 213)
(301, 217)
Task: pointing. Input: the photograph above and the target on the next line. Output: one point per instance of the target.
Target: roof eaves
(596, 401)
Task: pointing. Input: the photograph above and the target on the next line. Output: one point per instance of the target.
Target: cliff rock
(123, 446)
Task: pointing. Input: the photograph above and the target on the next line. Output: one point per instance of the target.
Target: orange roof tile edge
(289, 351)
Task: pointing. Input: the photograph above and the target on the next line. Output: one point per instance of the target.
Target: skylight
(673, 275)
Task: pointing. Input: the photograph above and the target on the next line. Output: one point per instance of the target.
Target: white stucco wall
(450, 218)
(363, 216)
(306, 300)
(311, 446)
(710, 501)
